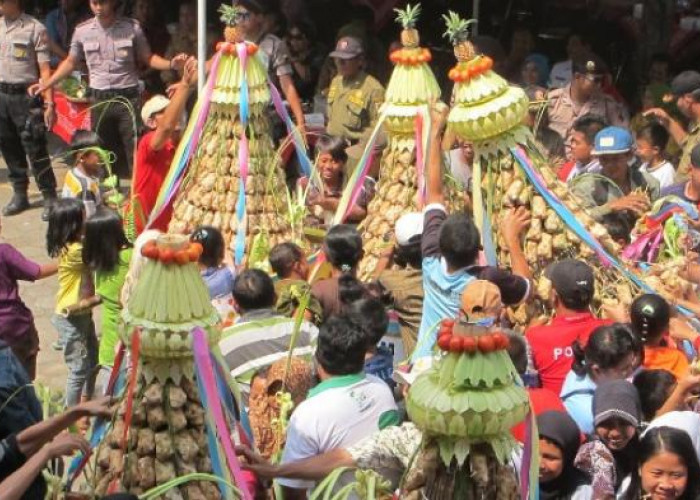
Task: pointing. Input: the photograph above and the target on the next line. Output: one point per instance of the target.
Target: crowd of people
(615, 394)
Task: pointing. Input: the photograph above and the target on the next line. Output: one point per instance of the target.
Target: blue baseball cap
(613, 141)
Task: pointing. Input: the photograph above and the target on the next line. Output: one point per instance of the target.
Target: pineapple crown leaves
(457, 28)
(229, 14)
(408, 17)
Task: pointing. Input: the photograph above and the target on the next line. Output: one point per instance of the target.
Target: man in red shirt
(573, 288)
(157, 147)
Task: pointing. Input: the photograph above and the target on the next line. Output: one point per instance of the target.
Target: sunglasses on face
(295, 36)
(243, 16)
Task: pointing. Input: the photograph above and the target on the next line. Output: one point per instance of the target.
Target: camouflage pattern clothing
(595, 191)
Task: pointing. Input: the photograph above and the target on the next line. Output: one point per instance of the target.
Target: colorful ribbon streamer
(188, 145)
(101, 425)
(243, 159)
(297, 138)
(205, 371)
(356, 182)
(530, 467)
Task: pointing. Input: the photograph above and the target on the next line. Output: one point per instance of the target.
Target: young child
(372, 316)
(81, 181)
(217, 271)
(323, 200)
(651, 315)
(652, 140)
(288, 261)
(610, 458)
(107, 252)
(16, 320)
(343, 250)
(582, 141)
(76, 331)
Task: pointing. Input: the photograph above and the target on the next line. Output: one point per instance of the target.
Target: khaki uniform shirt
(353, 105)
(594, 191)
(23, 46)
(692, 140)
(112, 55)
(562, 112)
(275, 55)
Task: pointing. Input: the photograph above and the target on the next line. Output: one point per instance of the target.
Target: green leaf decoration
(457, 28)
(409, 16)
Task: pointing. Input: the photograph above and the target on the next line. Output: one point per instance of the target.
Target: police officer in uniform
(113, 48)
(24, 57)
(354, 97)
(582, 96)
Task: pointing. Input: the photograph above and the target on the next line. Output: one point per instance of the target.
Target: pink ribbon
(203, 361)
(419, 158)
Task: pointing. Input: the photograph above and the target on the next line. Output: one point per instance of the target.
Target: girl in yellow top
(76, 331)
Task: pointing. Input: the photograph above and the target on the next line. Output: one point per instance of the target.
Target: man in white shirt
(346, 407)
(576, 47)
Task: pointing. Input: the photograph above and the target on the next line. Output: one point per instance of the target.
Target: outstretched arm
(438, 115)
(172, 114)
(313, 468)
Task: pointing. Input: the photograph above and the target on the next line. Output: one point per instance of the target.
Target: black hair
(655, 134)
(618, 226)
(517, 350)
(654, 388)
(306, 28)
(254, 289)
(669, 440)
(607, 347)
(589, 125)
(283, 257)
(342, 345)
(343, 248)
(213, 245)
(66, 220)
(410, 254)
(253, 6)
(104, 239)
(459, 240)
(372, 315)
(650, 315)
(81, 140)
(334, 146)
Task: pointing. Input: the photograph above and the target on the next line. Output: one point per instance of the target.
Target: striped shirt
(258, 339)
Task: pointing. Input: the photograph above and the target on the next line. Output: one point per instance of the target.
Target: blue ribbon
(240, 214)
(214, 451)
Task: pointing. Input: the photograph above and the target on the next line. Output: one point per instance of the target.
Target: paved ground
(27, 233)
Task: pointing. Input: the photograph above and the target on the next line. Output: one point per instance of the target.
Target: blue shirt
(443, 290)
(219, 281)
(381, 365)
(577, 396)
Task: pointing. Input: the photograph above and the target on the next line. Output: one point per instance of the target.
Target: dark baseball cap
(254, 6)
(591, 64)
(686, 82)
(347, 47)
(572, 279)
(695, 157)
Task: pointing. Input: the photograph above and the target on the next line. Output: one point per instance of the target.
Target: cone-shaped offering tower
(234, 181)
(411, 87)
(465, 404)
(160, 431)
(512, 173)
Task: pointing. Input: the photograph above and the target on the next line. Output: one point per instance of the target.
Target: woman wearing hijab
(560, 439)
(611, 457)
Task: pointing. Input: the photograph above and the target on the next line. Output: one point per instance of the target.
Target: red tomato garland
(230, 48)
(465, 71)
(191, 253)
(449, 342)
(411, 57)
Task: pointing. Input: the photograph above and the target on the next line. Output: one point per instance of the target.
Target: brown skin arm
(313, 468)
(15, 485)
(45, 74)
(438, 115)
(172, 113)
(514, 224)
(64, 69)
(47, 270)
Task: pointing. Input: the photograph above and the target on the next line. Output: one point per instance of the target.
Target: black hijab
(561, 430)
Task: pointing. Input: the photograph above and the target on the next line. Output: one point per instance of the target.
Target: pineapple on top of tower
(488, 111)
(233, 180)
